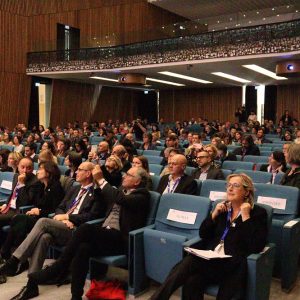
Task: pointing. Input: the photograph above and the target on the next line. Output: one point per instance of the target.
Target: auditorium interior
(179, 65)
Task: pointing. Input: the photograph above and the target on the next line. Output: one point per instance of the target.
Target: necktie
(76, 202)
(13, 196)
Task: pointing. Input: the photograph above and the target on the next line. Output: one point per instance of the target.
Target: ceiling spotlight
(290, 67)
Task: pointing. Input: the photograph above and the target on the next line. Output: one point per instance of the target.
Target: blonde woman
(235, 227)
(13, 160)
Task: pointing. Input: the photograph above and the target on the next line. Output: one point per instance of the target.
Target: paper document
(5, 184)
(206, 254)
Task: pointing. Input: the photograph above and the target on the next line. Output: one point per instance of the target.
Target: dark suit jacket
(134, 207)
(29, 194)
(213, 173)
(90, 208)
(242, 239)
(187, 185)
(292, 180)
(50, 198)
(252, 150)
(229, 157)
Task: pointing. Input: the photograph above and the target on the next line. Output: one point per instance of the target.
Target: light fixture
(164, 81)
(228, 76)
(172, 74)
(264, 71)
(104, 78)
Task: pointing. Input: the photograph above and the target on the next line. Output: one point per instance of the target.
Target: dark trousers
(5, 220)
(20, 226)
(194, 274)
(89, 240)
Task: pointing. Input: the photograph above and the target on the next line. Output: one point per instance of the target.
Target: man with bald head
(177, 181)
(25, 191)
(121, 152)
(77, 207)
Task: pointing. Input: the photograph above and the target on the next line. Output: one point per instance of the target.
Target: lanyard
(171, 190)
(79, 197)
(228, 224)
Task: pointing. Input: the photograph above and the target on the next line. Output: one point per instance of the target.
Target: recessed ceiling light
(287, 6)
(228, 76)
(104, 78)
(172, 74)
(278, 15)
(250, 22)
(273, 8)
(165, 82)
(218, 21)
(257, 12)
(264, 71)
(264, 19)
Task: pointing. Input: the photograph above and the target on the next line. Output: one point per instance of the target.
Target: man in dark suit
(206, 170)
(78, 206)
(260, 137)
(29, 151)
(177, 181)
(248, 147)
(25, 191)
(224, 154)
(128, 210)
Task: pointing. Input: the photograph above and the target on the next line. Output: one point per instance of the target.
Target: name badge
(216, 195)
(182, 216)
(5, 184)
(278, 203)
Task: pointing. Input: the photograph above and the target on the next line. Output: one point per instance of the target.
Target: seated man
(77, 207)
(101, 155)
(25, 190)
(206, 170)
(177, 181)
(29, 151)
(128, 210)
(224, 154)
(248, 147)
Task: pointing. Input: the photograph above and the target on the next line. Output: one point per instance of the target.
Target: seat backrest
(153, 159)
(155, 182)
(7, 147)
(63, 169)
(155, 168)
(234, 165)
(226, 172)
(213, 189)
(257, 176)
(283, 199)
(66, 182)
(154, 202)
(152, 152)
(60, 160)
(180, 205)
(278, 178)
(6, 179)
(189, 170)
(256, 159)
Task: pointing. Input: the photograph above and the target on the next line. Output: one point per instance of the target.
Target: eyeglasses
(128, 174)
(79, 169)
(233, 185)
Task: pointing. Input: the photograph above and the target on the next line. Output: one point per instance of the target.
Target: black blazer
(114, 178)
(242, 239)
(28, 194)
(252, 150)
(213, 173)
(50, 198)
(134, 207)
(291, 180)
(90, 208)
(187, 185)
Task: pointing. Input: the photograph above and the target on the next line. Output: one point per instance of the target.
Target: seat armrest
(24, 209)
(138, 280)
(141, 230)
(96, 221)
(192, 242)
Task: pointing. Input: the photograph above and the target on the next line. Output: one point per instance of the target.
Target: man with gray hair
(128, 210)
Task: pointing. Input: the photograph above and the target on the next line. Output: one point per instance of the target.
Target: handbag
(106, 290)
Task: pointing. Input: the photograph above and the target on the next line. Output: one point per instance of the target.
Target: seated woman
(51, 195)
(13, 160)
(18, 147)
(276, 165)
(4, 153)
(50, 147)
(147, 142)
(235, 227)
(142, 162)
(112, 170)
(72, 160)
(292, 175)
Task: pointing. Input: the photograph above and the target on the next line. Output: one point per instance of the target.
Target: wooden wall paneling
(70, 101)
(288, 97)
(213, 103)
(14, 95)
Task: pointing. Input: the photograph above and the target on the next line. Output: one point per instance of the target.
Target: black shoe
(50, 274)
(3, 278)
(22, 267)
(10, 267)
(26, 293)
